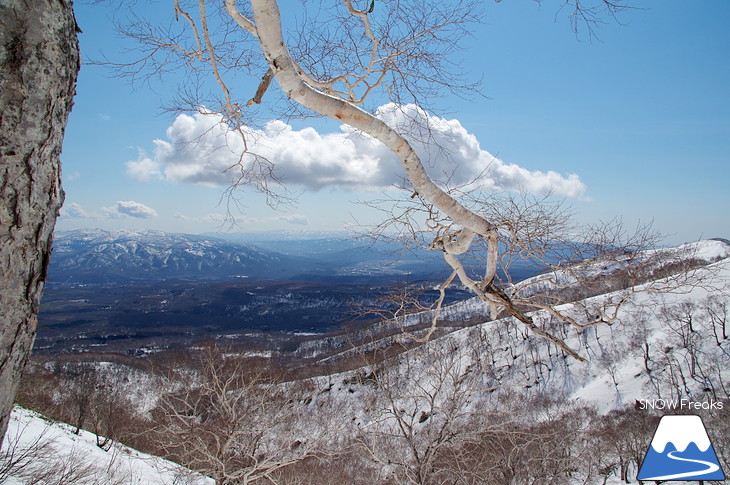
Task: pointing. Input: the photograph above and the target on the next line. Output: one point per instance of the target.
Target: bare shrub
(230, 419)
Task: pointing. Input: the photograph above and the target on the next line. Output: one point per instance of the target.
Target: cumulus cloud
(121, 210)
(144, 168)
(73, 210)
(130, 208)
(200, 149)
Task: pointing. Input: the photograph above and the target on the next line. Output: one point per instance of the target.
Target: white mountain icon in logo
(680, 450)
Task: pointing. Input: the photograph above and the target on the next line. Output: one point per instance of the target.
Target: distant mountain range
(105, 257)
(668, 344)
(120, 256)
(150, 287)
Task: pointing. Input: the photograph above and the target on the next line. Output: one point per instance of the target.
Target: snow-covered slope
(650, 352)
(665, 346)
(669, 342)
(46, 452)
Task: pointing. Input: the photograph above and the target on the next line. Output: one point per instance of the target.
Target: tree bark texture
(39, 62)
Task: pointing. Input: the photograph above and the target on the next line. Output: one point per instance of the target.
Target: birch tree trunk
(39, 61)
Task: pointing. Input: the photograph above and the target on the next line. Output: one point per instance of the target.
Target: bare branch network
(341, 59)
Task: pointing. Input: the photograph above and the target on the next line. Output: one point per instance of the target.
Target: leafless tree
(717, 311)
(575, 262)
(80, 383)
(17, 458)
(542, 442)
(336, 62)
(82, 394)
(439, 415)
(622, 437)
(418, 406)
(231, 420)
(686, 364)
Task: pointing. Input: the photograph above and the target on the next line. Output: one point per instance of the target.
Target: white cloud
(215, 218)
(297, 219)
(72, 177)
(129, 208)
(200, 149)
(122, 209)
(144, 168)
(73, 210)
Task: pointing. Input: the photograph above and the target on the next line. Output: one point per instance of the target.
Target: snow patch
(59, 448)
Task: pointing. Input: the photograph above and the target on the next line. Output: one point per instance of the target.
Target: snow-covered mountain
(669, 345)
(649, 352)
(667, 352)
(119, 256)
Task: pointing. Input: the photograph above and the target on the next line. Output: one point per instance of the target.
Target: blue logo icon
(681, 450)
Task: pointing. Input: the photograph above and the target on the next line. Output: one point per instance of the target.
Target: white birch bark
(268, 29)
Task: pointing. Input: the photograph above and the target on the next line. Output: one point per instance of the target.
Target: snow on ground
(48, 452)
(642, 356)
(616, 374)
(708, 249)
(620, 377)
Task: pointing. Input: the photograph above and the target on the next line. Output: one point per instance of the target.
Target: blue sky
(639, 117)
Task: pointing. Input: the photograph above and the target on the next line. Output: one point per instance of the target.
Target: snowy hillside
(44, 452)
(490, 399)
(668, 344)
(629, 360)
